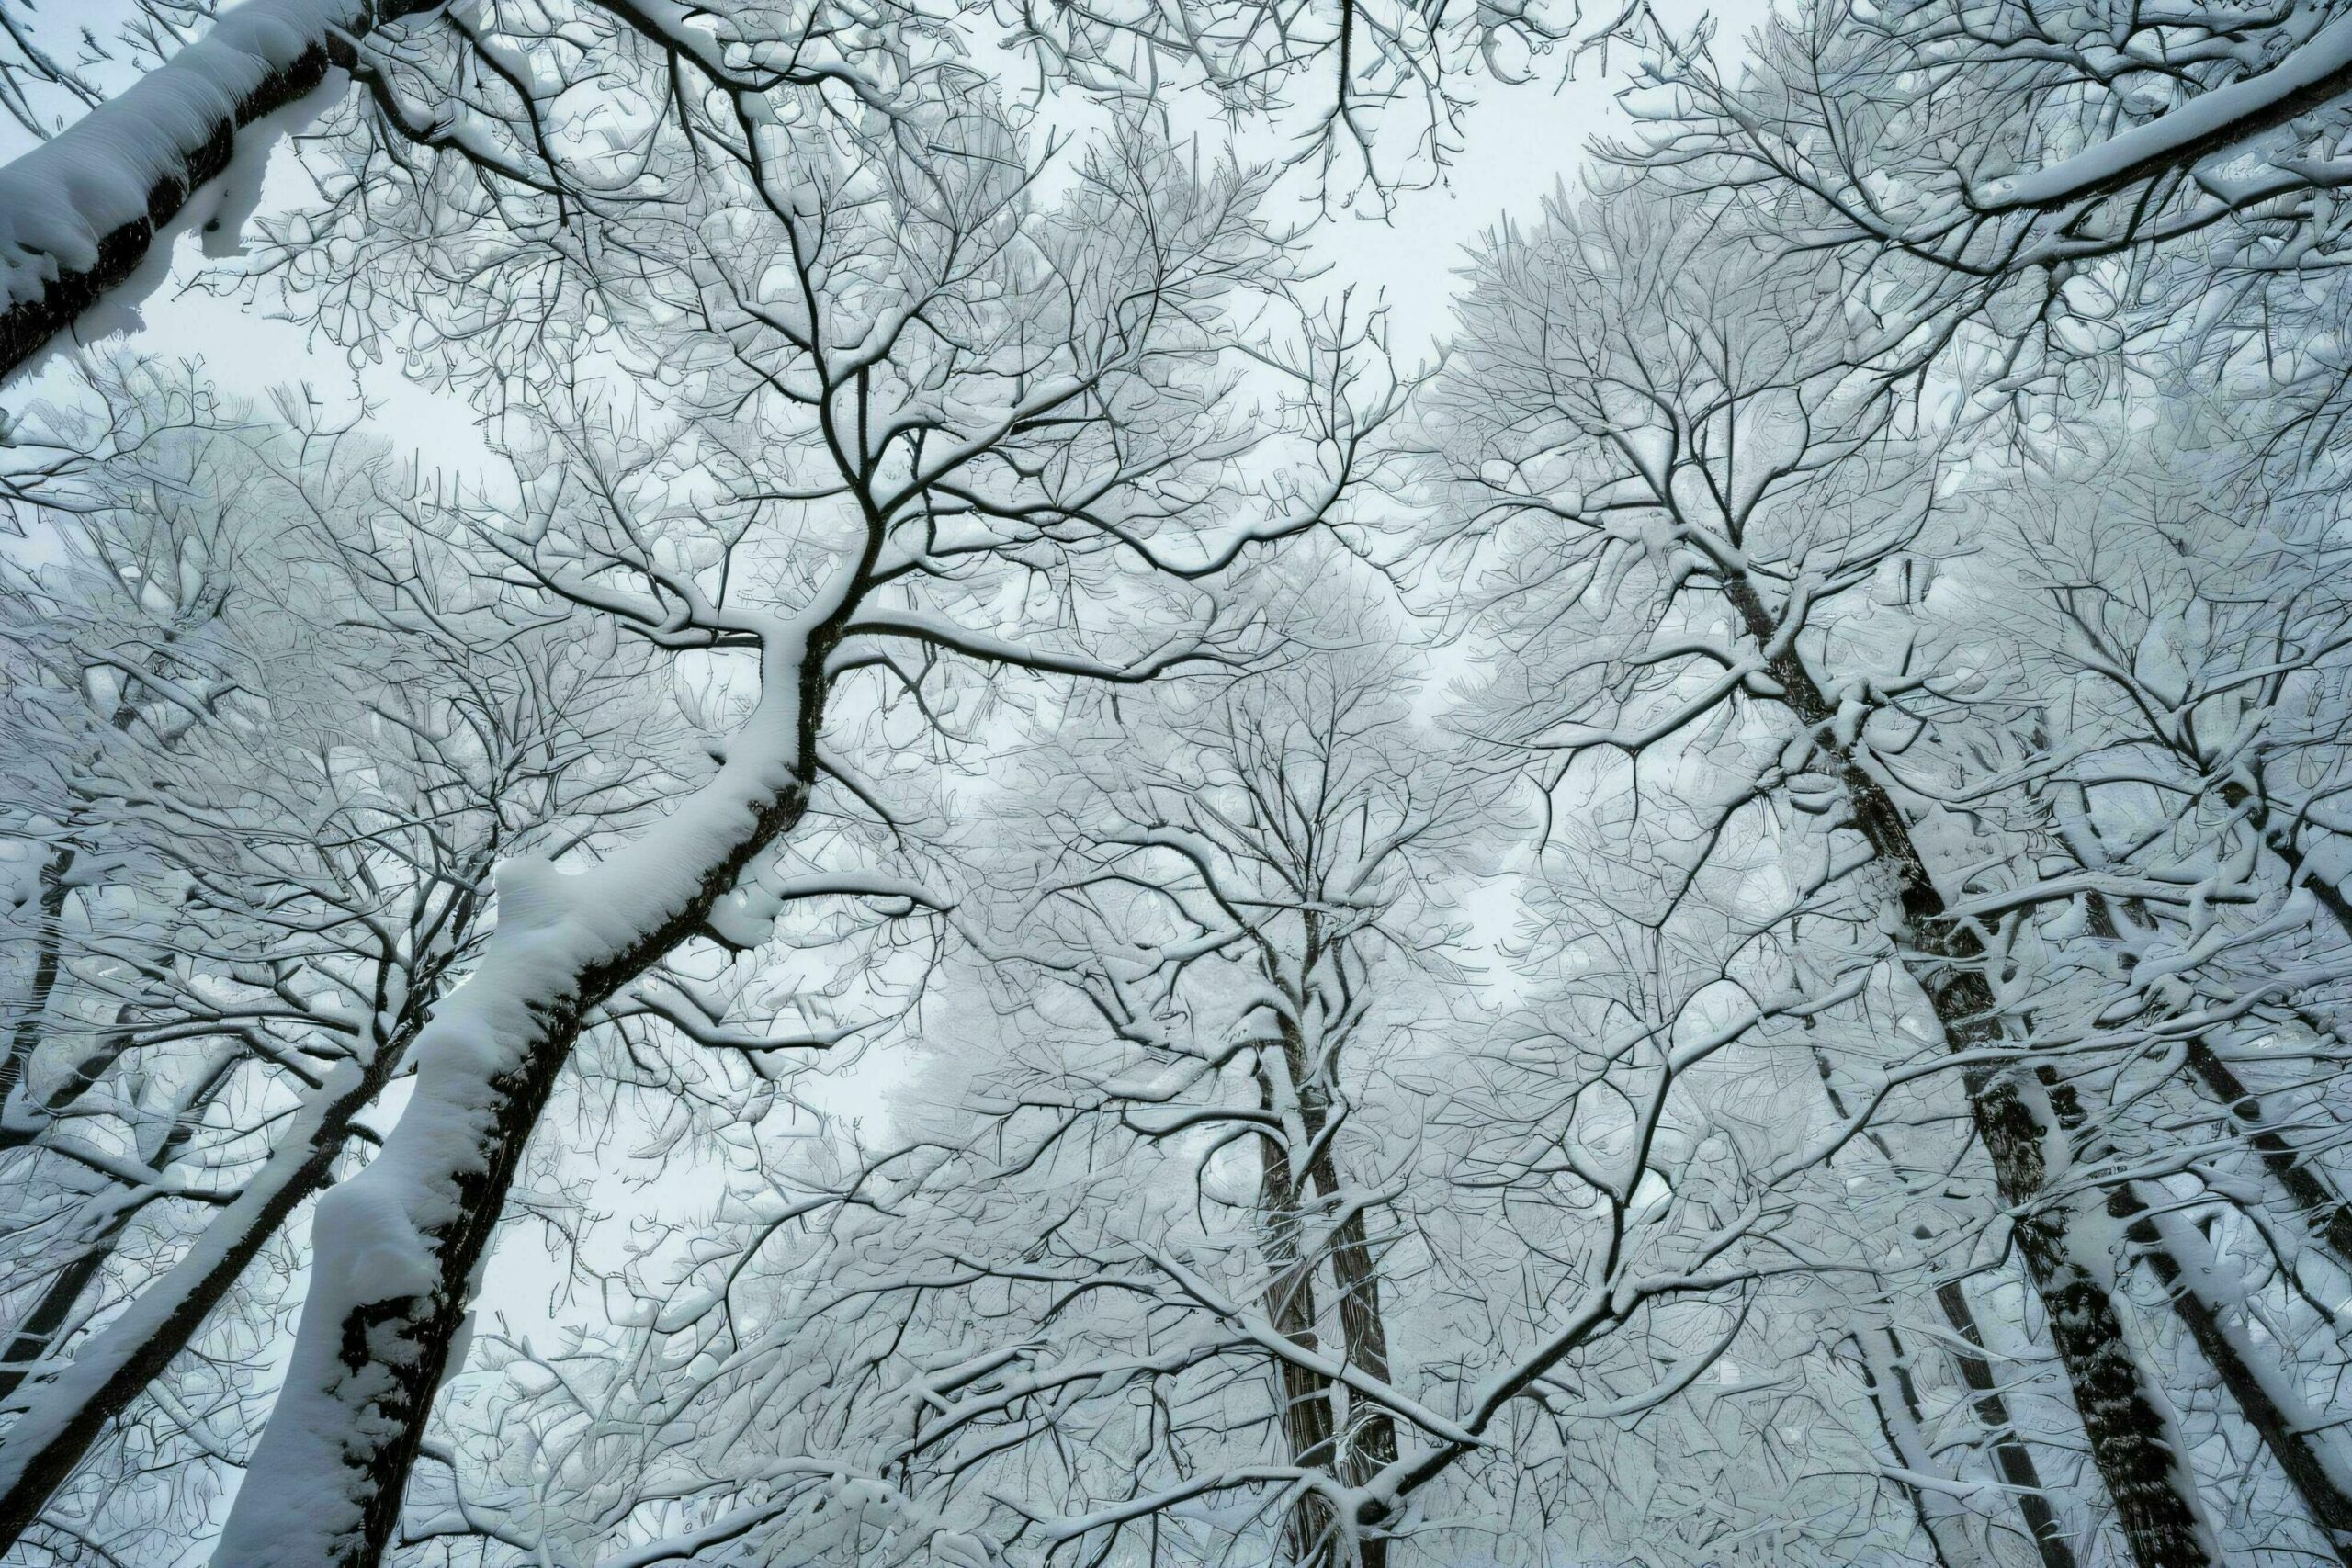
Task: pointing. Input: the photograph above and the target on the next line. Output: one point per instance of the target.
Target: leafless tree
(925, 426)
(1737, 451)
(1370, 94)
(240, 916)
(2110, 179)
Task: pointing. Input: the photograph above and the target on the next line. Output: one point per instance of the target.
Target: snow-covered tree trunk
(66, 1414)
(2280, 837)
(286, 825)
(81, 211)
(1309, 1422)
(65, 1410)
(1966, 1346)
(39, 1329)
(1355, 1275)
(1886, 1373)
(396, 1249)
(2010, 1451)
(2309, 1188)
(1715, 408)
(1276, 826)
(49, 941)
(859, 461)
(1370, 1445)
(2224, 673)
(2133, 1436)
(2319, 1206)
(2125, 1417)
(2300, 1442)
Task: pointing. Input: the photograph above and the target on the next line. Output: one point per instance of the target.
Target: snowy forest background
(1351, 784)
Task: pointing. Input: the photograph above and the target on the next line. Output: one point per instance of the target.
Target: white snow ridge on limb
(2316, 73)
(78, 212)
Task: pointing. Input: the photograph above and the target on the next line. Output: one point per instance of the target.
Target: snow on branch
(2316, 73)
(79, 212)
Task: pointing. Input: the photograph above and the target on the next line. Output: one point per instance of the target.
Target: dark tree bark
(49, 940)
(2280, 839)
(1372, 1447)
(1895, 1398)
(42, 1328)
(2010, 1451)
(398, 1352)
(1309, 1421)
(66, 1414)
(2292, 1437)
(2321, 1208)
(2131, 1435)
(2260, 1399)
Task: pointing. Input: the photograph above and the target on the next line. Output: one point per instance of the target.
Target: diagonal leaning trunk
(45, 1324)
(2325, 1215)
(2010, 1451)
(398, 1249)
(64, 1412)
(2299, 1439)
(2132, 1438)
(2029, 1122)
(2323, 1209)
(2280, 839)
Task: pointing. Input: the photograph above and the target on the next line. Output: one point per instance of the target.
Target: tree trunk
(2008, 1445)
(42, 1327)
(2294, 1435)
(2282, 842)
(1371, 1445)
(1886, 1373)
(2132, 1438)
(2321, 1209)
(398, 1249)
(2298, 1440)
(49, 941)
(1309, 1427)
(66, 1411)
